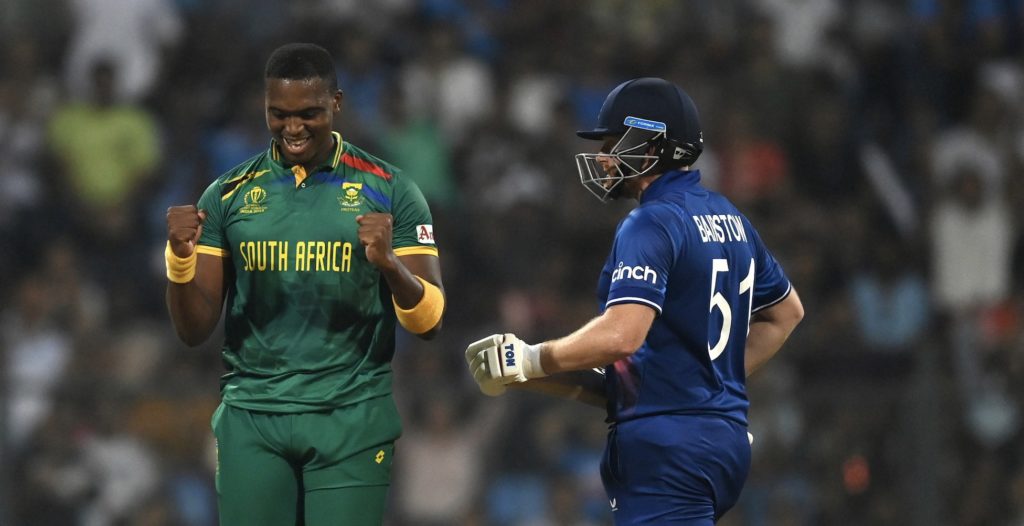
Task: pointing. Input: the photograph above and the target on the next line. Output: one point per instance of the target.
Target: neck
(322, 157)
(645, 182)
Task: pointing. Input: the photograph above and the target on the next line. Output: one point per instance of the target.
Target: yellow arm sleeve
(424, 315)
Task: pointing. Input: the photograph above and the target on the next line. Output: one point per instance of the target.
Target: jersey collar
(669, 180)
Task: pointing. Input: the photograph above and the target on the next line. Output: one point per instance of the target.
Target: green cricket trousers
(328, 468)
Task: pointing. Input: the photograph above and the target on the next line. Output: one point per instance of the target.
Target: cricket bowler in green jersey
(319, 250)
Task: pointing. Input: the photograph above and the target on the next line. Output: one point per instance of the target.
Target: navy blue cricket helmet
(658, 126)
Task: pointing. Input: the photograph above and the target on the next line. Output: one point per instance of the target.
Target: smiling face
(300, 116)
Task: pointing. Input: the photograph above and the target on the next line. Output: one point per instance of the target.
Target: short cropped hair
(300, 61)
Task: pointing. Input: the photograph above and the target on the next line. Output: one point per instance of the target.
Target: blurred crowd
(877, 145)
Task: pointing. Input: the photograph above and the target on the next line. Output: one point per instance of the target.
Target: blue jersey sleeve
(642, 256)
(770, 283)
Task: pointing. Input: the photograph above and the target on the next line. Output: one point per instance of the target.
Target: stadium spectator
(108, 152)
(135, 36)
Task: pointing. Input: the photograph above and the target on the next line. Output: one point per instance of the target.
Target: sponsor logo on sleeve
(425, 234)
(637, 272)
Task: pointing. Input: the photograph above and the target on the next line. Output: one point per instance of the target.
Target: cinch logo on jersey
(624, 271)
(720, 228)
(307, 256)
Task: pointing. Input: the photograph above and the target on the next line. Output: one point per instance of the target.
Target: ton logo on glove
(494, 362)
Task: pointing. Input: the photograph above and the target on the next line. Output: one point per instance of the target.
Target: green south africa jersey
(310, 323)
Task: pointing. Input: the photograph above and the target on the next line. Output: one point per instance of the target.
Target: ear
(338, 96)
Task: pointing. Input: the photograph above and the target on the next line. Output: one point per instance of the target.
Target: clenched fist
(184, 226)
(375, 235)
(501, 359)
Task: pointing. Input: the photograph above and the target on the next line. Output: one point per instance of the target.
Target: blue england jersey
(689, 254)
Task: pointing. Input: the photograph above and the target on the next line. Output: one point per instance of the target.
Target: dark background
(876, 145)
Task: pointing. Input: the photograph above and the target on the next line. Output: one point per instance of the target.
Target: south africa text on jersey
(301, 256)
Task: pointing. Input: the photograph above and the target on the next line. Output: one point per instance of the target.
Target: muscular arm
(375, 234)
(195, 306)
(615, 334)
(407, 289)
(585, 386)
(769, 329)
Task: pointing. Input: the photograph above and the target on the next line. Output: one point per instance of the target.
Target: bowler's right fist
(184, 226)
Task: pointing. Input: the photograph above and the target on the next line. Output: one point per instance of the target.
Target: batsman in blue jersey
(692, 302)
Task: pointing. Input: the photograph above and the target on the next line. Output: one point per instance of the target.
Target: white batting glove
(505, 359)
(488, 386)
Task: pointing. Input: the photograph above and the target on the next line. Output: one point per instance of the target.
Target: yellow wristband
(180, 270)
(425, 314)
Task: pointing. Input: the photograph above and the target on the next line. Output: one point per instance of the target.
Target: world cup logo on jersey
(254, 201)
